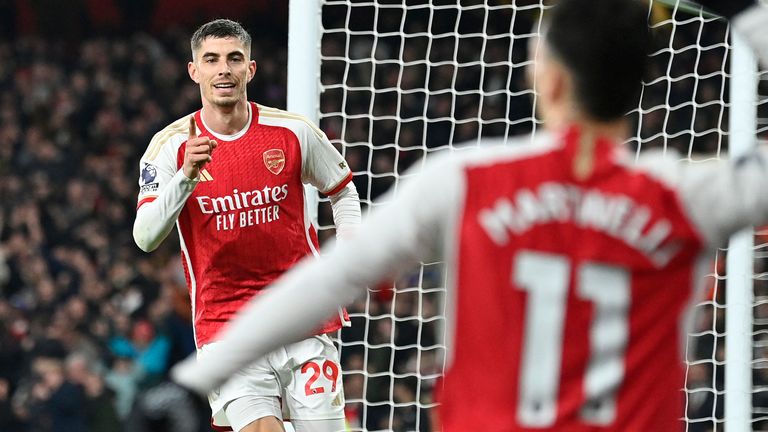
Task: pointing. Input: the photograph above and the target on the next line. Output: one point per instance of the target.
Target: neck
(225, 120)
(589, 130)
(617, 130)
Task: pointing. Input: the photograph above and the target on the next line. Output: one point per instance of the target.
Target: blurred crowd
(89, 324)
(87, 321)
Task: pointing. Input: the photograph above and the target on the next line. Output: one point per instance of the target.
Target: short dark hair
(220, 28)
(605, 46)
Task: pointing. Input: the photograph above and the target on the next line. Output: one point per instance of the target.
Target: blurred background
(88, 322)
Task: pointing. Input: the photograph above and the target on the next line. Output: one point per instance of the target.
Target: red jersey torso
(245, 222)
(559, 284)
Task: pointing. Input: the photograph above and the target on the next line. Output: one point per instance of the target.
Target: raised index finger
(192, 127)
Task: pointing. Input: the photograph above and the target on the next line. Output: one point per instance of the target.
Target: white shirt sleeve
(345, 205)
(163, 191)
(720, 197)
(324, 168)
(322, 165)
(394, 236)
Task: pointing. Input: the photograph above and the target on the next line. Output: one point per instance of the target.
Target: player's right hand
(198, 151)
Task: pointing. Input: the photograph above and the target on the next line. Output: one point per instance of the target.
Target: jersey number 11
(545, 278)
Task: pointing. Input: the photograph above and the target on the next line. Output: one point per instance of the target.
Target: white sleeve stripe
(267, 112)
(163, 137)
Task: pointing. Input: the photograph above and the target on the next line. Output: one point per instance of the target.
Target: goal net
(401, 81)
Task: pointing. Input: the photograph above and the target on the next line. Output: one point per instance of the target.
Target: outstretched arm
(393, 237)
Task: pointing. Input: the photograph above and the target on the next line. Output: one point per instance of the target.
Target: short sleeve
(157, 166)
(322, 165)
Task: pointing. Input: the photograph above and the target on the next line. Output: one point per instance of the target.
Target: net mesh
(403, 80)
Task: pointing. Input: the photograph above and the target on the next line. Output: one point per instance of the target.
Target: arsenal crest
(274, 159)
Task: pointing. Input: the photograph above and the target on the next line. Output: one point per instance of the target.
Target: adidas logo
(205, 175)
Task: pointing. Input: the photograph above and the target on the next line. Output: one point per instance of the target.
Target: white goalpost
(304, 70)
(740, 265)
(392, 82)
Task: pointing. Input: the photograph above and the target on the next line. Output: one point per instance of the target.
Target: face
(222, 69)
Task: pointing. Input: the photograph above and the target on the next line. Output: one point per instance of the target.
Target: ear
(558, 83)
(251, 70)
(534, 48)
(192, 70)
(552, 82)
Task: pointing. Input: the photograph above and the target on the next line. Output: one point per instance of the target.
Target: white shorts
(305, 377)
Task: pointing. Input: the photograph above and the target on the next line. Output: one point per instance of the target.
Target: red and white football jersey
(246, 221)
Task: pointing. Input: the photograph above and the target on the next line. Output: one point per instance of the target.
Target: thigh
(311, 379)
(244, 411)
(256, 380)
(328, 425)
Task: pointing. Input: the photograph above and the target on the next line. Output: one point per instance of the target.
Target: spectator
(61, 400)
(100, 407)
(149, 350)
(8, 420)
(124, 378)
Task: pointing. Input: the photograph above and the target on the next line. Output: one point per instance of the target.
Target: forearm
(286, 313)
(155, 220)
(346, 211)
(294, 307)
(393, 237)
